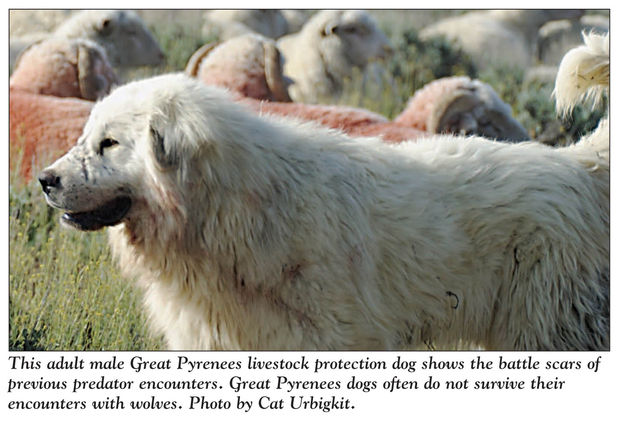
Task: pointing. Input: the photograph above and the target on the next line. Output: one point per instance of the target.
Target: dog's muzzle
(106, 215)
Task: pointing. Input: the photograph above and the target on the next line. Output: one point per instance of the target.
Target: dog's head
(136, 152)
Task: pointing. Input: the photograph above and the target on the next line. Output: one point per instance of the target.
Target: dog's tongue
(107, 215)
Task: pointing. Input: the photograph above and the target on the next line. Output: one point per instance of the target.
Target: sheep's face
(476, 109)
(132, 42)
(127, 40)
(360, 39)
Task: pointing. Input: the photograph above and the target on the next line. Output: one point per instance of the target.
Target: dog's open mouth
(108, 214)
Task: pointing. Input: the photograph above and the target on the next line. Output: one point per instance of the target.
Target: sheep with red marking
(353, 121)
(49, 97)
(463, 106)
(124, 36)
(42, 127)
(451, 105)
(250, 65)
(65, 68)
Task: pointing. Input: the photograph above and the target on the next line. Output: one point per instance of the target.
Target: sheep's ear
(193, 65)
(273, 73)
(165, 158)
(90, 83)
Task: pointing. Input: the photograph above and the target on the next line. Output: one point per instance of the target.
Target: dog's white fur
(263, 233)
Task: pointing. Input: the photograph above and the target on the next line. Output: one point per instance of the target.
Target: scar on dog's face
(96, 182)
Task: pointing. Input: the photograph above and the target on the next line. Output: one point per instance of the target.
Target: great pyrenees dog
(251, 232)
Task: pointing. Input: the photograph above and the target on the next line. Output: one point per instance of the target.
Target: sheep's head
(250, 64)
(127, 40)
(353, 33)
(65, 68)
(459, 105)
(474, 108)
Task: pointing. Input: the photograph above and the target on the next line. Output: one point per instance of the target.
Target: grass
(65, 292)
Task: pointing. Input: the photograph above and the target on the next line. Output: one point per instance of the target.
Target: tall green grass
(65, 292)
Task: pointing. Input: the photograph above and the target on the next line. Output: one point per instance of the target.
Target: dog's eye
(105, 143)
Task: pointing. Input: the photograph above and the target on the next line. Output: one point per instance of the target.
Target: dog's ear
(166, 158)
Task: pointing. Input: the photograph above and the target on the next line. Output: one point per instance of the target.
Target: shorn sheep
(498, 37)
(265, 233)
(124, 36)
(64, 68)
(42, 127)
(46, 115)
(350, 120)
(250, 66)
(463, 106)
(327, 49)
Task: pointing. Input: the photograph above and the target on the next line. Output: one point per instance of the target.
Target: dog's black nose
(48, 179)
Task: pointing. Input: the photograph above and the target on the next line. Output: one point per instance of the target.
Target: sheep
(231, 23)
(327, 48)
(124, 36)
(43, 127)
(555, 38)
(30, 26)
(460, 105)
(352, 121)
(498, 37)
(64, 68)
(455, 105)
(46, 111)
(250, 65)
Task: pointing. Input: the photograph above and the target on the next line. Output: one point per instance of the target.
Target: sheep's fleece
(265, 233)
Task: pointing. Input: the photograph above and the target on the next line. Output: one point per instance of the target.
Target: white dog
(263, 233)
